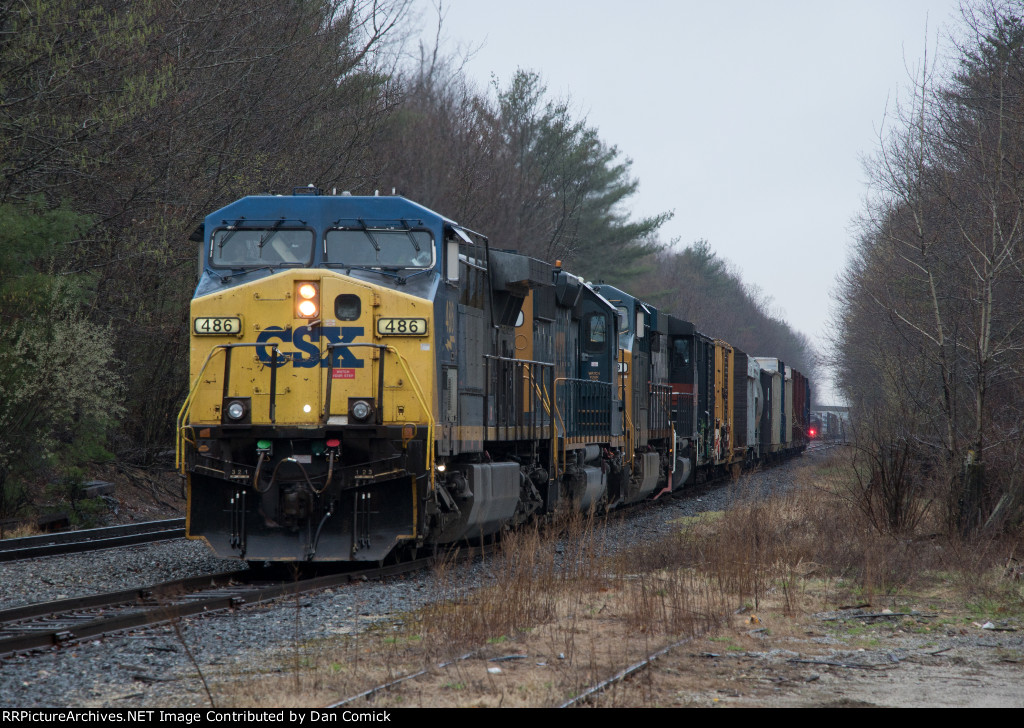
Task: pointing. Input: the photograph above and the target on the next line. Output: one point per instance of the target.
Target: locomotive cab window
(233, 247)
(387, 248)
(596, 333)
(681, 353)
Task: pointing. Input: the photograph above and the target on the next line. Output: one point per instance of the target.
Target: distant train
(371, 379)
(827, 426)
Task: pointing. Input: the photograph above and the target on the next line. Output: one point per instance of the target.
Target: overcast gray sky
(749, 119)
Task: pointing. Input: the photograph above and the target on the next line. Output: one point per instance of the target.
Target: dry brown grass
(21, 530)
(566, 617)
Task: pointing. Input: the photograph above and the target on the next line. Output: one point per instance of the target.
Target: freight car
(370, 378)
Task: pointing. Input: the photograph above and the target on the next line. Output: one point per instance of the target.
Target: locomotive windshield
(379, 248)
(274, 246)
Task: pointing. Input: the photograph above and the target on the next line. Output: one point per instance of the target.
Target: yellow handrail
(179, 455)
(545, 398)
(541, 394)
(426, 410)
(187, 404)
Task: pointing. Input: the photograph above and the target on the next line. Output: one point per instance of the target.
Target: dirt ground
(924, 655)
(142, 495)
(822, 667)
(814, 663)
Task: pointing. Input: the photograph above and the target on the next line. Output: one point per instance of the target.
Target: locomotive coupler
(296, 505)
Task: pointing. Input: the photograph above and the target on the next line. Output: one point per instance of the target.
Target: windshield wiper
(368, 270)
(247, 271)
(389, 271)
(232, 229)
(243, 272)
(366, 232)
(417, 273)
(271, 233)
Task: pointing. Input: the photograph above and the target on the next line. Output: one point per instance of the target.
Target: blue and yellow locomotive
(369, 377)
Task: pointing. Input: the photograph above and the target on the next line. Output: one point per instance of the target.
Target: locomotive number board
(217, 325)
(401, 327)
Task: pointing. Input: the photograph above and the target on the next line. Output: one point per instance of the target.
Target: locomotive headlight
(307, 299)
(360, 410)
(236, 410)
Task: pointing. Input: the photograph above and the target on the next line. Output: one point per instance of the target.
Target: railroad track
(91, 539)
(63, 622)
(823, 445)
(584, 696)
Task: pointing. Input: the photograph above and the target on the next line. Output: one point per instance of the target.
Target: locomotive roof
(325, 210)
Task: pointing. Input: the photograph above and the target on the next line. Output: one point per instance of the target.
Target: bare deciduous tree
(931, 309)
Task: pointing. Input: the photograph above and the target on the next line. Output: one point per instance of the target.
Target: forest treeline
(930, 352)
(123, 124)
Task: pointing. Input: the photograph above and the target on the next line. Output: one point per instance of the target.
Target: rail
(62, 622)
(91, 539)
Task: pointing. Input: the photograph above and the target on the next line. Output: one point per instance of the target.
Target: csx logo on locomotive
(306, 339)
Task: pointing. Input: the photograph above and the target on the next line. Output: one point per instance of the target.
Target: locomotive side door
(597, 332)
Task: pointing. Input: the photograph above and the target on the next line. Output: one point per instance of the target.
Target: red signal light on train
(812, 432)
